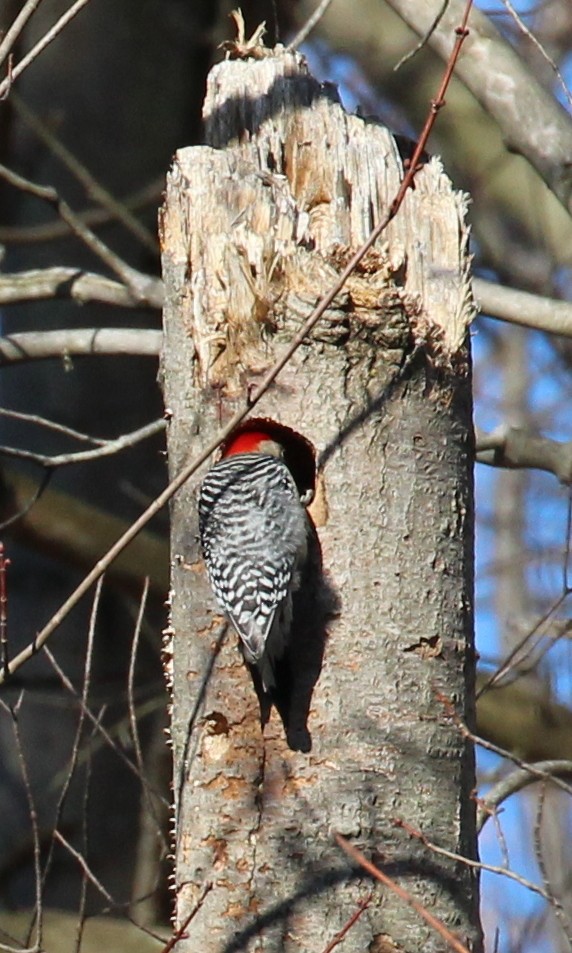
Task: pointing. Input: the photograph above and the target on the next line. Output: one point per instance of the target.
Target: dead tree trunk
(256, 227)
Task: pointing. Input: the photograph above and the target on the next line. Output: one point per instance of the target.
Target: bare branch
(341, 934)
(146, 289)
(477, 864)
(533, 123)
(533, 40)
(96, 722)
(93, 188)
(73, 762)
(515, 448)
(51, 34)
(424, 39)
(180, 933)
(389, 882)
(309, 25)
(50, 231)
(533, 769)
(51, 425)
(78, 342)
(81, 456)
(14, 711)
(520, 307)
(516, 781)
(4, 650)
(15, 30)
(58, 282)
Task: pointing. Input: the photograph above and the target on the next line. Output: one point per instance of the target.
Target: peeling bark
(256, 226)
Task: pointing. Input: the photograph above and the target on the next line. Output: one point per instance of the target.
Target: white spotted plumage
(253, 531)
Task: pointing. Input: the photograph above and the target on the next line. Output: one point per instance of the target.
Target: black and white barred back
(254, 534)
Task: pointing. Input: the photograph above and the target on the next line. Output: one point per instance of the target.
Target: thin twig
(109, 448)
(85, 837)
(362, 906)
(74, 758)
(424, 39)
(309, 25)
(93, 188)
(84, 866)
(179, 934)
(534, 769)
(15, 30)
(131, 679)
(474, 864)
(535, 42)
(51, 425)
(132, 707)
(101, 730)
(510, 660)
(566, 558)
(97, 883)
(21, 513)
(51, 34)
(404, 895)
(144, 287)
(14, 711)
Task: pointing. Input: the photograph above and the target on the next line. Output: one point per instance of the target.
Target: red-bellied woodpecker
(254, 536)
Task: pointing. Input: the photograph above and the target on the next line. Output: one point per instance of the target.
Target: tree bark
(256, 226)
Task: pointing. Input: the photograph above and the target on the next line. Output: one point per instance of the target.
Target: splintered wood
(290, 186)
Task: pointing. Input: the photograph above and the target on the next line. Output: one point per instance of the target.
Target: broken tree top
(288, 187)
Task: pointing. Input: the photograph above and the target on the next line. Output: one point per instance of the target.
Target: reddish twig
(181, 931)
(143, 287)
(404, 895)
(461, 33)
(362, 905)
(191, 468)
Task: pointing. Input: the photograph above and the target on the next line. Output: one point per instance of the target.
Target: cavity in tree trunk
(256, 227)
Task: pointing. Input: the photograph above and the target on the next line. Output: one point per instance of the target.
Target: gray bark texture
(255, 228)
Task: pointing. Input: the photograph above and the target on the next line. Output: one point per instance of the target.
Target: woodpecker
(254, 536)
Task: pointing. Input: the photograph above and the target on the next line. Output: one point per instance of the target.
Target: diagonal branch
(93, 188)
(532, 121)
(107, 449)
(387, 881)
(146, 289)
(50, 35)
(14, 31)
